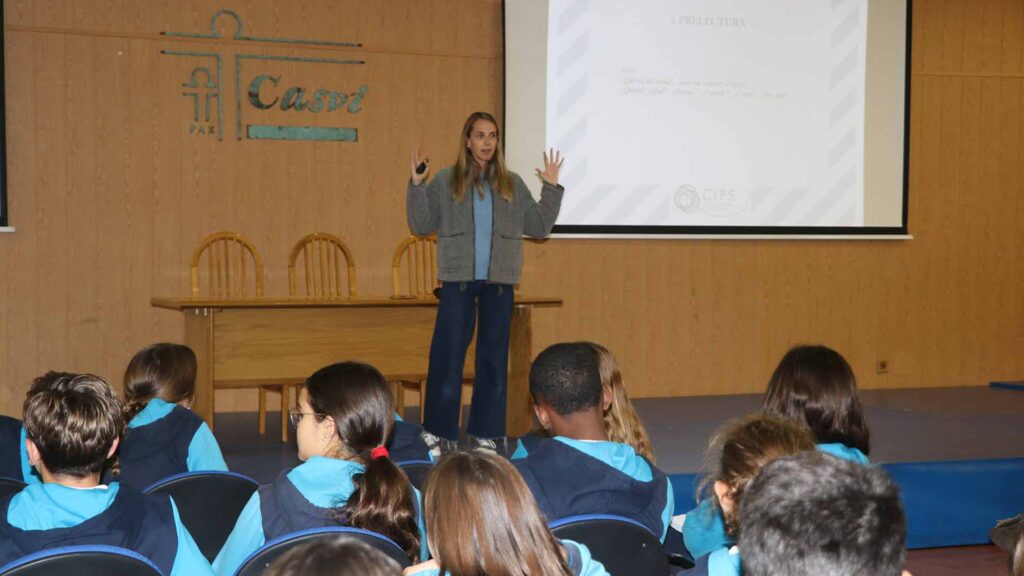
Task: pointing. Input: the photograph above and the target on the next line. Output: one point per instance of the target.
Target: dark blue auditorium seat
(82, 561)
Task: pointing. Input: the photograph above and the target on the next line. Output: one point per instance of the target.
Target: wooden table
(284, 340)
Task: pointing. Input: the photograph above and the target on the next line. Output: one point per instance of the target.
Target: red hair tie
(378, 452)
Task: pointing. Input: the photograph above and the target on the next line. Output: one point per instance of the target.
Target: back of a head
(73, 422)
(165, 371)
(358, 399)
(813, 514)
(482, 519)
(567, 377)
(743, 447)
(621, 422)
(337, 557)
(815, 386)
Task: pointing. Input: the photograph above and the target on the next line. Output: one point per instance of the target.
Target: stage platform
(957, 453)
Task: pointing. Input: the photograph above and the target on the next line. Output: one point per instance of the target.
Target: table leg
(519, 409)
(199, 337)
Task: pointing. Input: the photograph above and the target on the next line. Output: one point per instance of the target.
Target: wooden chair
(228, 257)
(324, 256)
(234, 271)
(420, 256)
(417, 255)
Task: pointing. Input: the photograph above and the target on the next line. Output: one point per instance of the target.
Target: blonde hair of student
(621, 422)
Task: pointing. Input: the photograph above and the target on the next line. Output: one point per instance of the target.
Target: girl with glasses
(344, 416)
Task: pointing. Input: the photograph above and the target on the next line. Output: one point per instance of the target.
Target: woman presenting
(480, 211)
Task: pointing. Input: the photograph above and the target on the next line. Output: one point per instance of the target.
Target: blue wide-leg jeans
(461, 303)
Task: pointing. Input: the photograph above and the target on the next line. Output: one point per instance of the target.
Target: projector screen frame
(901, 232)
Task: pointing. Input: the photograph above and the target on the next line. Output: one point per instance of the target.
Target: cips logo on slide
(714, 201)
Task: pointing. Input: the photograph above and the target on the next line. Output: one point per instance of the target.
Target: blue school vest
(567, 482)
(286, 510)
(406, 443)
(10, 448)
(157, 450)
(144, 524)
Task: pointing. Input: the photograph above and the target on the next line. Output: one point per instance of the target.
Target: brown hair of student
(336, 557)
(483, 519)
(466, 167)
(73, 421)
(357, 397)
(621, 422)
(744, 446)
(165, 371)
(814, 386)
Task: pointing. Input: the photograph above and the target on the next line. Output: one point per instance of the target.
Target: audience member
(338, 557)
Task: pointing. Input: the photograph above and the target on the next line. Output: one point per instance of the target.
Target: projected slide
(708, 113)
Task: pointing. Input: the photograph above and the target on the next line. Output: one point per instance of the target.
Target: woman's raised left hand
(552, 164)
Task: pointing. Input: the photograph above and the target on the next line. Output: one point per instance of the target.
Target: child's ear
(113, 447)
(724, 494)
(606, 397)
(327, 429)
(33, 452)
(542, 416)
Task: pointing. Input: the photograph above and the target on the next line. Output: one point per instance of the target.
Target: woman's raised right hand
(417, 159)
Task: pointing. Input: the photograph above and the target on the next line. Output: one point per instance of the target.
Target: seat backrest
(10, 486)
(417, 471)
(419, 256)
(623, 545)
(324, 256)
(82, 561)
(234, 268)
(260, 560)
(208, 503)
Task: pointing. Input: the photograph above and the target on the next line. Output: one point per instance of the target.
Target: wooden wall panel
(109, 194)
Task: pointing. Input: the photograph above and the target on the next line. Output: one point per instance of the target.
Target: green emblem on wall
(266, 92)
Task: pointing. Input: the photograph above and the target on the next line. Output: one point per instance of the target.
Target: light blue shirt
(203, 451)
(50, 506)
(725, 562)
(844, 452)
(624, 458)
(318, 480)
(483, 220)
(704, 528)
(590, 566)
(28, 471)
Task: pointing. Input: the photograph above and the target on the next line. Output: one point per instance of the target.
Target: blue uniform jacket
(570, 477)
(165, 439)
(298, 499)
(50, 515)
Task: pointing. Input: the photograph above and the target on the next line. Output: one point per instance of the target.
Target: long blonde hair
(466, 168)
(482, 519)
(621, 422)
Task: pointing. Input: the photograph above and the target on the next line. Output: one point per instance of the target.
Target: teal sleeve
(666, 515)
(704, 529)
(204, 452)
(425, 572)
(245, 538)
(188, 560)
(421, 523)
(589, 566)
(520, 452)
(28, 472)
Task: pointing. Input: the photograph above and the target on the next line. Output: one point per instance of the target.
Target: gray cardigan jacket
(432, 208)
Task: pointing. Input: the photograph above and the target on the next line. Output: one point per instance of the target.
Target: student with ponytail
(164, 437)
(344, 416)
